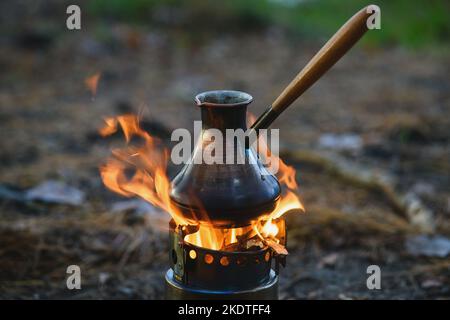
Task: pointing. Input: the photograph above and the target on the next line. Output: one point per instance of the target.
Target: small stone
(431, 283)
(103, 277)
(329, 260)
(423, 189)
(346, 141)
(430, 246)
(342, 296)
(55, 192)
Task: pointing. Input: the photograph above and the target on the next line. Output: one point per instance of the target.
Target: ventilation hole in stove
(240, 261)
(224, 261)
(209, 258)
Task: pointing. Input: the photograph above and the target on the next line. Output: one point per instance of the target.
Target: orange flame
(91, 83)
(149, 181)
(216, 238)
(286, 176)
(149, 161)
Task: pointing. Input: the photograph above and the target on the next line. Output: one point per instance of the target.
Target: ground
(395, 101)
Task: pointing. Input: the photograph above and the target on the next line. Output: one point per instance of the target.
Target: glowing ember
(149, 180)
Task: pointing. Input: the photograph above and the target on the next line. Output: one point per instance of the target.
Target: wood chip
(254, 242)
(278, 248)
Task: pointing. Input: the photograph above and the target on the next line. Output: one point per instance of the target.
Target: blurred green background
(413, 24)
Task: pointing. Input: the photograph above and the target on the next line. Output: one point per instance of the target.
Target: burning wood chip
(244, 244)
(254, 242)
(278, 248)
(189, 229)
(232, 247)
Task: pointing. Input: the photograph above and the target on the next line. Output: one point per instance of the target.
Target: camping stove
(200, 273)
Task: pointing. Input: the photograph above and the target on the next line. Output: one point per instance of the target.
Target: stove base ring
(177, 291)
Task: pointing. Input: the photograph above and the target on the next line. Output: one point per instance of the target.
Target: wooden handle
(330, 53)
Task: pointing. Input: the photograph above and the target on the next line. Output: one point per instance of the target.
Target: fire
(149, 180)
(217, 239)
(91, 83)
(148, 161)
(286, 177)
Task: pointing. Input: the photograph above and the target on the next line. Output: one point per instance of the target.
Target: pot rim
(243, 98)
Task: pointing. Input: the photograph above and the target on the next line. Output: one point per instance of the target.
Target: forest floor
(370, 143)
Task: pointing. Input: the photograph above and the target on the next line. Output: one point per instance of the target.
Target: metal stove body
(200, 273)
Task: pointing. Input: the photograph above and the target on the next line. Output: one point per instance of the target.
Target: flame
(216, 238)
(91, 83)
(289, 199)
(287, 175)
(148, 163)
(109, 128)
